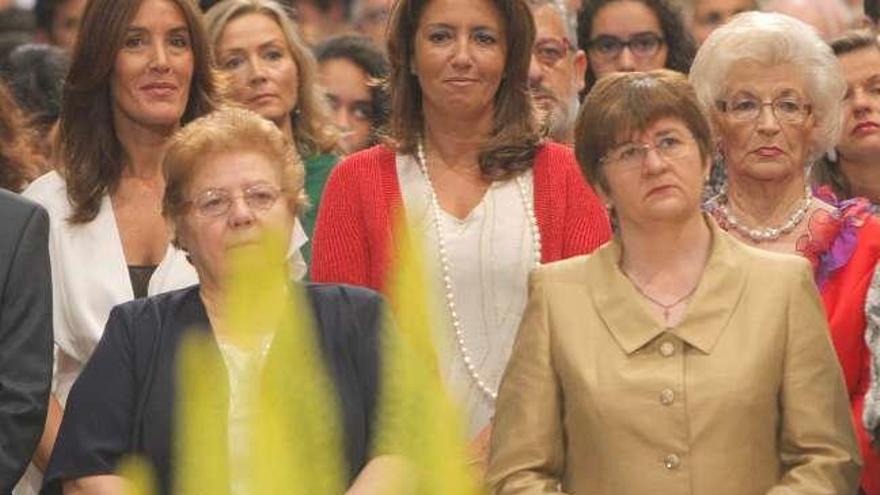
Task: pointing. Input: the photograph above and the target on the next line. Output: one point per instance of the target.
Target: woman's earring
(831, 155)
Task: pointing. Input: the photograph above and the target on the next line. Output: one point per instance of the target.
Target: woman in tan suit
(676, 359)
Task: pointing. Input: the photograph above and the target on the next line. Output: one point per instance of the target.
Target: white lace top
(490, 255)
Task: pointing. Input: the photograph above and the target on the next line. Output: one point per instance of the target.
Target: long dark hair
(681, 44)
(513, 141)
(91, 154)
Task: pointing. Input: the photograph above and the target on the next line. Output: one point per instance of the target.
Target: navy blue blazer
(123, 401)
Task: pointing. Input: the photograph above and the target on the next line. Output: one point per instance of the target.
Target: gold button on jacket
(743, 397)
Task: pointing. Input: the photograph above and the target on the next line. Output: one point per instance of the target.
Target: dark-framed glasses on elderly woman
(747, 108)
(217, 202)
(669, 148)
(642, 45)
(549, 50)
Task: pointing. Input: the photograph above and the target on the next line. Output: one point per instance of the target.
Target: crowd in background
(511, 134)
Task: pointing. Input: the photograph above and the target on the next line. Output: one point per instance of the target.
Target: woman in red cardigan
(471, 174)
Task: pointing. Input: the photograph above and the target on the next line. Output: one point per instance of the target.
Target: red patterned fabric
(353, 240)
(844, 293)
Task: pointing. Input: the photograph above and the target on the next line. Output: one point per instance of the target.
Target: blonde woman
(273, 73)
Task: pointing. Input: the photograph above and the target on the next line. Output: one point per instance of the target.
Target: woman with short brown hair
(675, 359)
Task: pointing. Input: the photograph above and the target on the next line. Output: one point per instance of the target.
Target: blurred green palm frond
(417, 419)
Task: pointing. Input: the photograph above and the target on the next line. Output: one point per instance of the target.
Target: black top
(122, 401)
(140, 279)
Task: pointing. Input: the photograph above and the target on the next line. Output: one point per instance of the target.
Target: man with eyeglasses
(556, 73)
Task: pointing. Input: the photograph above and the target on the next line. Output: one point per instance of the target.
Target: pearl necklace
(489, 394)
(762, 234)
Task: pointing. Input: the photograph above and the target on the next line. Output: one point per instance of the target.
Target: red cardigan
(353, 240)
(844, 296)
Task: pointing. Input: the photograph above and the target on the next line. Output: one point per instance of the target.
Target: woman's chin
(769, 171)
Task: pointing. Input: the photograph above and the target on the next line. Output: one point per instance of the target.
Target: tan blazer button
(667, 349)
(671, 461)
(667, 397)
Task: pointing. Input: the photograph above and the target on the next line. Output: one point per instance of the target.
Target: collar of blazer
(718, 294)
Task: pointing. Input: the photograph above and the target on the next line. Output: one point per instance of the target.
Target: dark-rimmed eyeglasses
(212, 203)
(786, 109)
(642, 45)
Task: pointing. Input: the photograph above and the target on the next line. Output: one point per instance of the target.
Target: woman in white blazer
(143, 70)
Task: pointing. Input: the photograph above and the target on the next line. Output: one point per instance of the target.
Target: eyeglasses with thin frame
(642, 45)
(213, 203)
(550, 50)
(747, 108)
(669, 147)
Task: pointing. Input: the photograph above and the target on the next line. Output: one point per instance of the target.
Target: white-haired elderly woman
(773, 90)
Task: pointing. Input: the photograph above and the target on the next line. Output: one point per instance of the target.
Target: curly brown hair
(20, 162)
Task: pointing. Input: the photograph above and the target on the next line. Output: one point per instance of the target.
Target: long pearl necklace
(762, 234)
(446, 267)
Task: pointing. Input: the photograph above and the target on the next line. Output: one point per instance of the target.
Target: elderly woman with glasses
(774, 89)
(230, 177)
(674, 351)
(633, 35)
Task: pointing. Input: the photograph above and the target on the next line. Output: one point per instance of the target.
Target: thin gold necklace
(666, 307)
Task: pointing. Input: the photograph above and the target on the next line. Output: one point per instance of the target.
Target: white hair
(569, 20)
(771, 40)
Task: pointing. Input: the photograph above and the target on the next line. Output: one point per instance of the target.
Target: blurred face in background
(372, 20)
(65, 23)
(626, 37)
(556, 73)
(708, 15)
(318, 20)
(350, 100)
(829, 17)
(860, 136)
